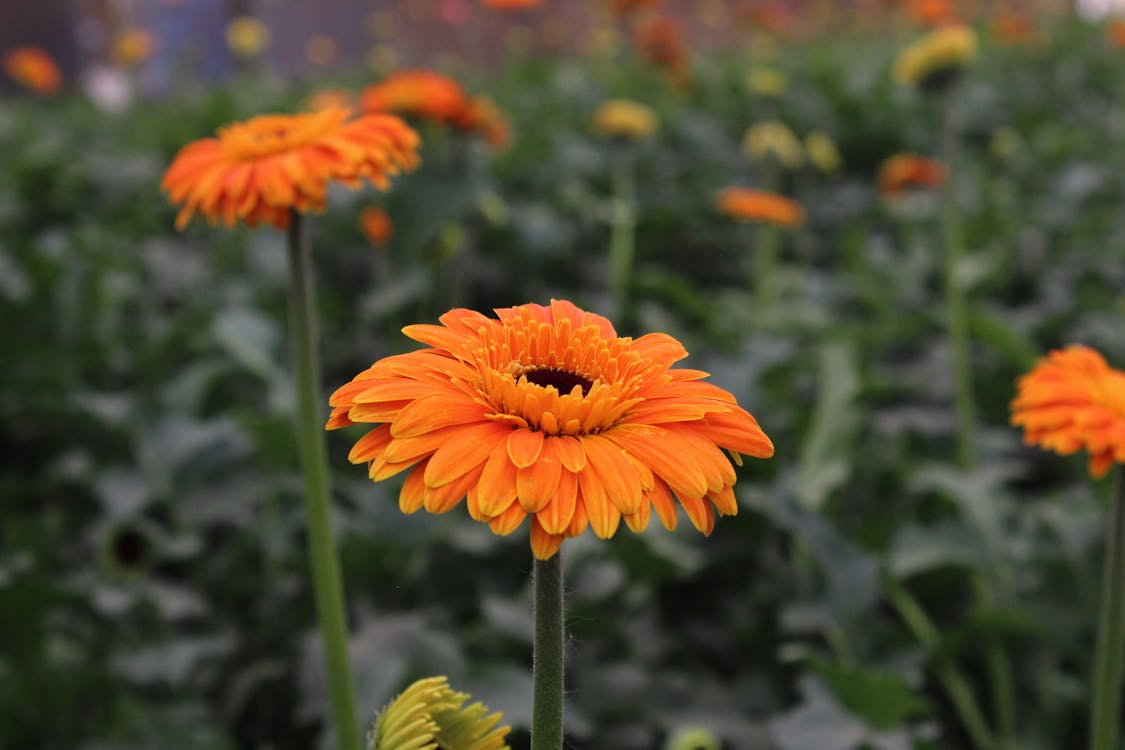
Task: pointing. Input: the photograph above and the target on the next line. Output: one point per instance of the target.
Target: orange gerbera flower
(661, 42)
(33, 68)
(260, 170)
(932, 12)
(481, 115)
(376, 225)
(512, 4)
(623, 8)
(747, 204)
(903, 172)
(1071, 400)
(1115, 32)
(416, 93)
(1013, 28)
(546, 412)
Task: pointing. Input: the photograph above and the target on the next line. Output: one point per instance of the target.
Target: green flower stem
(957, 320)
(622, 241)
(314, 464)
(999, 665)
(547, 687)
(952, 680)
(765, 264)
(1109, 654)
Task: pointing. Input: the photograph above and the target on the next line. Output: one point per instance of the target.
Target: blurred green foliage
(153, 590)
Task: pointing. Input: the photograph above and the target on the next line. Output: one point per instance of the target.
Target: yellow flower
(823, 153)
(765, 81)
(132, 47)
(430, 715)
(773, 139)
(624, 119)
(934, 61)
(247, 36)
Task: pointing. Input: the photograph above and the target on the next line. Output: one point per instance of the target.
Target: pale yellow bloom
(823, 153)
(937, 57)
(765, 81)
(429, 714)
(624, 118)
(773, 140)
(247, 36)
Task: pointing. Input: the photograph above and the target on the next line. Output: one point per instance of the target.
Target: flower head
(1015, 28)
(932, 12)
(1115, 33)
(376, 225)
(33, 68)
(329, 99)
(935, 60)
(773, 140)
(261, 169)
(622, 8)
(512, 4)
(247, 36)
(1072, 400)
(480, 115)
(823, 153)
(623, 118)
(545, 412)
(766, 81)
(132, 47)
(416, 93)
(747, 204)
(660, 41)
(429, 715)
(903, 172)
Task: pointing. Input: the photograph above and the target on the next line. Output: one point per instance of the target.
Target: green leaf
(826, 456)
(883, 699)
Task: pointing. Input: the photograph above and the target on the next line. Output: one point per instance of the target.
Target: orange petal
(664, 504)
(544, 545)
(738, 431)
(536, 484)
(604, 515)
(559, 512)
(412, 496)
(524, 447)
(497, 488)
(580, 520)
(445, 498)
(508, 521)
(622, 485)
(662, 451)
(724, 501)
(467, 448)
(571, 452)
(434, 412)
(699, 512)
(638, 522)
(370, 445)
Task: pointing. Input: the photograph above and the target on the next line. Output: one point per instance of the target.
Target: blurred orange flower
(545, 411)
(376, 225)
(1014, 28)
(623, 8)
(433, 96)
(512, 4)
(33, 68)
(931, 12)
(132, 47)
(1115, 32)
(1072, 400)
(262, 169)
(480, 115)
(902, 172)
(748, 204)
(660, 41)
(416, 93)
(329, 99)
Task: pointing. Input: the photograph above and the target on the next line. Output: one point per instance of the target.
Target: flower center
(562, 380)
(268, 135)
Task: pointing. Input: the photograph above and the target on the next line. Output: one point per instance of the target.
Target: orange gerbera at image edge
(1072, 399)
(262, 169)
(33, 68)
(545, 412)
(901, 172)
(748, 204)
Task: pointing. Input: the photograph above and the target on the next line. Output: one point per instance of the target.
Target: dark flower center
(562, 380)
